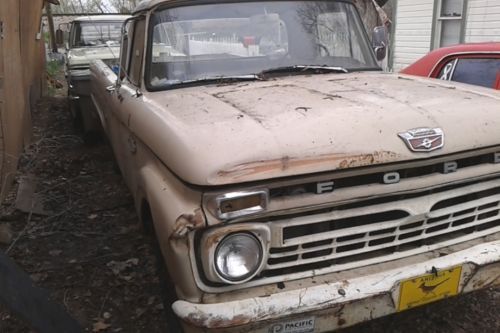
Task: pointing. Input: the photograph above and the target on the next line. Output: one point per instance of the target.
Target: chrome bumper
(327, 307)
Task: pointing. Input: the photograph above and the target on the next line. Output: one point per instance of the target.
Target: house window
(450, 20)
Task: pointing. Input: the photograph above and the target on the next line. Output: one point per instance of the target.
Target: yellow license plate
(429, 288)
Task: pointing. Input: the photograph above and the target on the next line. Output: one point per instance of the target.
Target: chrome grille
(337, 240)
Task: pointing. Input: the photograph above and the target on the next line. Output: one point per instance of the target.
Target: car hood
(82, 57)
(250, 131)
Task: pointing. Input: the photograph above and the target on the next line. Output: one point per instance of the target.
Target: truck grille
(342, 239)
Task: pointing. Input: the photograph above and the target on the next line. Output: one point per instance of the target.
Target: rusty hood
(250, 131)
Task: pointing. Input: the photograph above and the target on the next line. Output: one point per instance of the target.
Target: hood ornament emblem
(423, 139)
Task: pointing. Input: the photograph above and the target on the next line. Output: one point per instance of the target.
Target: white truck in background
(91, 38)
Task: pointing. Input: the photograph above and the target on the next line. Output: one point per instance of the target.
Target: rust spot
(332, 97)
(221, 96)
(404, 78)
(331, 161)
(188, 222)
(488, 282)
(302, 108)
(235, 321)
(341, 322)
(285, 162)
(217, 235)
(217, 322)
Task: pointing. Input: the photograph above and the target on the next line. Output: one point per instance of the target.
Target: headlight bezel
(228, 238)
(211, 239)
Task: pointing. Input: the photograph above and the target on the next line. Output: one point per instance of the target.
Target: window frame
(131, 42)
(437, 24)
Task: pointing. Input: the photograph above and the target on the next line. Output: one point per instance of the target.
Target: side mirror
(380, 40)
(59, 37)
(64, 26)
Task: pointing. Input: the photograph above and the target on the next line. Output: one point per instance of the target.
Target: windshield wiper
(303, 68)
(217, 79)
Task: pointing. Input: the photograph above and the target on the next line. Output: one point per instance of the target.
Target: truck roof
(148, 4)
(99, 18)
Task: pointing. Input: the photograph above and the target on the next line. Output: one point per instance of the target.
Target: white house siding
(483, 21)
(412, 39)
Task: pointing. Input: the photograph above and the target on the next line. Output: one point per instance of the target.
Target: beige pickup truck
(292, 186)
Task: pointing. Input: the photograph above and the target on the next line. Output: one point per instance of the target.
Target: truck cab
(292, 186)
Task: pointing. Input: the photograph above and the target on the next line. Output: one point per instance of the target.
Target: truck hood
(250, 131)
(82, 57)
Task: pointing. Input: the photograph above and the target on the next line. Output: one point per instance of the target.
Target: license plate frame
(428, 288)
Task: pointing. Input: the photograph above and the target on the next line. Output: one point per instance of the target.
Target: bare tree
(85, 6)
(123, 6)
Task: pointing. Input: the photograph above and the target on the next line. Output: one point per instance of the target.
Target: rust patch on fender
(217, 235)
(188, 222)
(332, 161)
(486, 277)
(218, 321)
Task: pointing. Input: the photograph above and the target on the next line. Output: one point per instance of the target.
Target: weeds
(53, 69)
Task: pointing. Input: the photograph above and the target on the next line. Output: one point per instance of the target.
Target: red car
(477, 64)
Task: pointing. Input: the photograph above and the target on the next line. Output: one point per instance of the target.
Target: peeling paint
(336, 161)
(216, 236)
(222, 98)
(188, 222)
(216, 321)
(331, 310)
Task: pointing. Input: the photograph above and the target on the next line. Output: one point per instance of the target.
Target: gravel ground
(91, 255)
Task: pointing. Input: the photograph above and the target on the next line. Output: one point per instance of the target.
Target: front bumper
(327, 307)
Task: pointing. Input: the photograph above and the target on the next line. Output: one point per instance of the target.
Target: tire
(168, 294)
(76, 115)
(91, 137)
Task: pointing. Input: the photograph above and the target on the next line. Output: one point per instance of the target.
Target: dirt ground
(89, 251)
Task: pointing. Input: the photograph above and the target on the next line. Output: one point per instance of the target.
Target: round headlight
(238, 257)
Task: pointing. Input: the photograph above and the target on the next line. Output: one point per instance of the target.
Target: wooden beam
(14, 103)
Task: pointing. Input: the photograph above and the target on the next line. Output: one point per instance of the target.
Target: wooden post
(14, 103)
(2, 101)
(33, 69)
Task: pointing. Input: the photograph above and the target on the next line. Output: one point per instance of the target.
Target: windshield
(96, 33)
(234, 39)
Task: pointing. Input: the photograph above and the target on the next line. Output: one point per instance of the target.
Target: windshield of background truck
(234, 39)
(87, 34)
